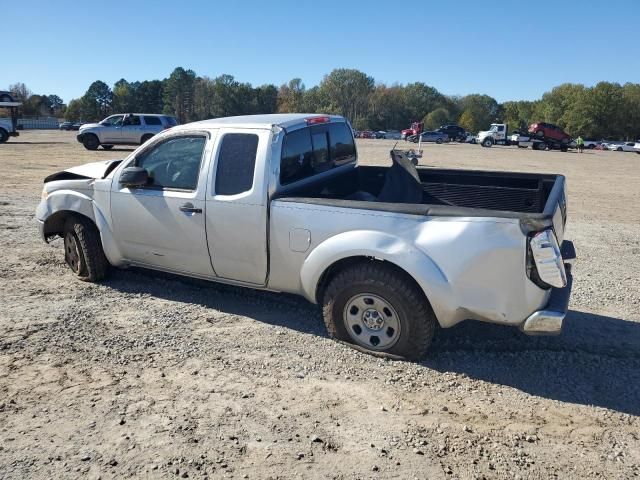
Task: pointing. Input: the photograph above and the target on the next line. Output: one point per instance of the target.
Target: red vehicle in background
(550, 131)
(416, 129)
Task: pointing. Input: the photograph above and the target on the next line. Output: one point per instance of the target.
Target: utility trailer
(9, 125)
(498, 134)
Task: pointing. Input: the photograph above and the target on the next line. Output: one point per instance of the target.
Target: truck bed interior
(469, 190)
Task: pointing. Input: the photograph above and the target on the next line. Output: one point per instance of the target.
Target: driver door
(162, 225)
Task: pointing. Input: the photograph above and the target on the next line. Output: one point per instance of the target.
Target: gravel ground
(153, 376)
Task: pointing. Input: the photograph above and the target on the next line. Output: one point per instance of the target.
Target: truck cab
(496, 135)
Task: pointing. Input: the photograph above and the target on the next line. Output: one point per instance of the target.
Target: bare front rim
(71, 252)
(371, 321)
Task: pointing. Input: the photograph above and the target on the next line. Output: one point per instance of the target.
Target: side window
(152, 121)
(501, 128)
(343, 150)
(174, 163)
(236, 163)
(133, 120)
(113, 121)
(296, 156)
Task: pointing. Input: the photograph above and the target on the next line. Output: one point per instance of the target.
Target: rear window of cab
(316, 149)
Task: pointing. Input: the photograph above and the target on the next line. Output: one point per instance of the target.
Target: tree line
(606, 110)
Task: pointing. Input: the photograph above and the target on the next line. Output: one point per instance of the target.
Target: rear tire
(380, 310)
(90, 141)
(146, 138)
(438, 141)
(83, 251)
(4, 135)
(539, 134)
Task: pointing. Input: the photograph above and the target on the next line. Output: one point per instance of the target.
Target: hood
(88, 170)
(90, 125)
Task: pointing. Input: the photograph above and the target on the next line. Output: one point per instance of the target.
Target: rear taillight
(315, 120)
(545, 266)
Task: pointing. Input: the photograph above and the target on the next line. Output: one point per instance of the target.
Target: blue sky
(504, 49)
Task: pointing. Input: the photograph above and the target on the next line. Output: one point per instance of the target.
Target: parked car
(6, 96)
(454, 132)
(591, 144)
(66, 126)
(429, 136)
(471, 138)
(389, 252)
(622, 147)
(636, 147)
(367, 134)
(549, 130)
(392, 135)
(379, 134)
(123, 129)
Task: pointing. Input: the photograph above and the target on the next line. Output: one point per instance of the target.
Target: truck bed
(532, 198)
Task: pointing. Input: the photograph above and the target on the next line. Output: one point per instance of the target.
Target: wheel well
(54, 225)
(344, 263)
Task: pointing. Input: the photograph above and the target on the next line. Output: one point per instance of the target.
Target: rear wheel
(619, 149)
(4, 135)
(438, 141)
(539, 134)
(542, 146)
(90, 141)
(379, 309)
(83, 251)
(146, 138)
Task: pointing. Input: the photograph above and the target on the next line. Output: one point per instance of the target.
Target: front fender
(381, 246)
(71, 201)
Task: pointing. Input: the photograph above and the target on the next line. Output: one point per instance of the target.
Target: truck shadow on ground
(596, 360)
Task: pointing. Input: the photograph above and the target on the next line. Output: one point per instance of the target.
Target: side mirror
(134, 177)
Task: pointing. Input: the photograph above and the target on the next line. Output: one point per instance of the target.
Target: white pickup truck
(279, 202)
(9, 125)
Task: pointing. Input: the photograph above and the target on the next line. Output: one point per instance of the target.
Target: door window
(175, 163)
(113, 121)
(133, 120)
(236, 163)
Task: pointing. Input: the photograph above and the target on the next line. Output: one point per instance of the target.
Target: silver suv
(123, 129)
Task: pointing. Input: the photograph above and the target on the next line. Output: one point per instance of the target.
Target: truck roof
(284, 120)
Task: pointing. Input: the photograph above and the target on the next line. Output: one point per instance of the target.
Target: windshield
(494, 128)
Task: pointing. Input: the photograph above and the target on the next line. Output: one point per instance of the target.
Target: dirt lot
(152, 376)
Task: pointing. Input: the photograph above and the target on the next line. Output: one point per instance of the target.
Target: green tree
(469, 122)
(265, 99)
(419, 100)
(149, 97)
(483, 109)
(96, 102)
(178, 94)
(73, 112)
(518, 114)
(436, 118)
(346, 92)
(291, 96)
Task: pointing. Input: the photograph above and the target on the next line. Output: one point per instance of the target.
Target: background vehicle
(454, 132)
(415, 129)
(9, 125)
(280, 202)
(123, 129)
(6, 97)
(66, 126)
(622, 147)
(498, 134)
(428, 136)
(549, 131)
(591, 144)
(471, 138)
(393, 135)
(636, 147)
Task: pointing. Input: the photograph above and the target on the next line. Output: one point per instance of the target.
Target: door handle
(189, 208)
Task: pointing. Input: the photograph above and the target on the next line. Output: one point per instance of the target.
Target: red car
(549, 130)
